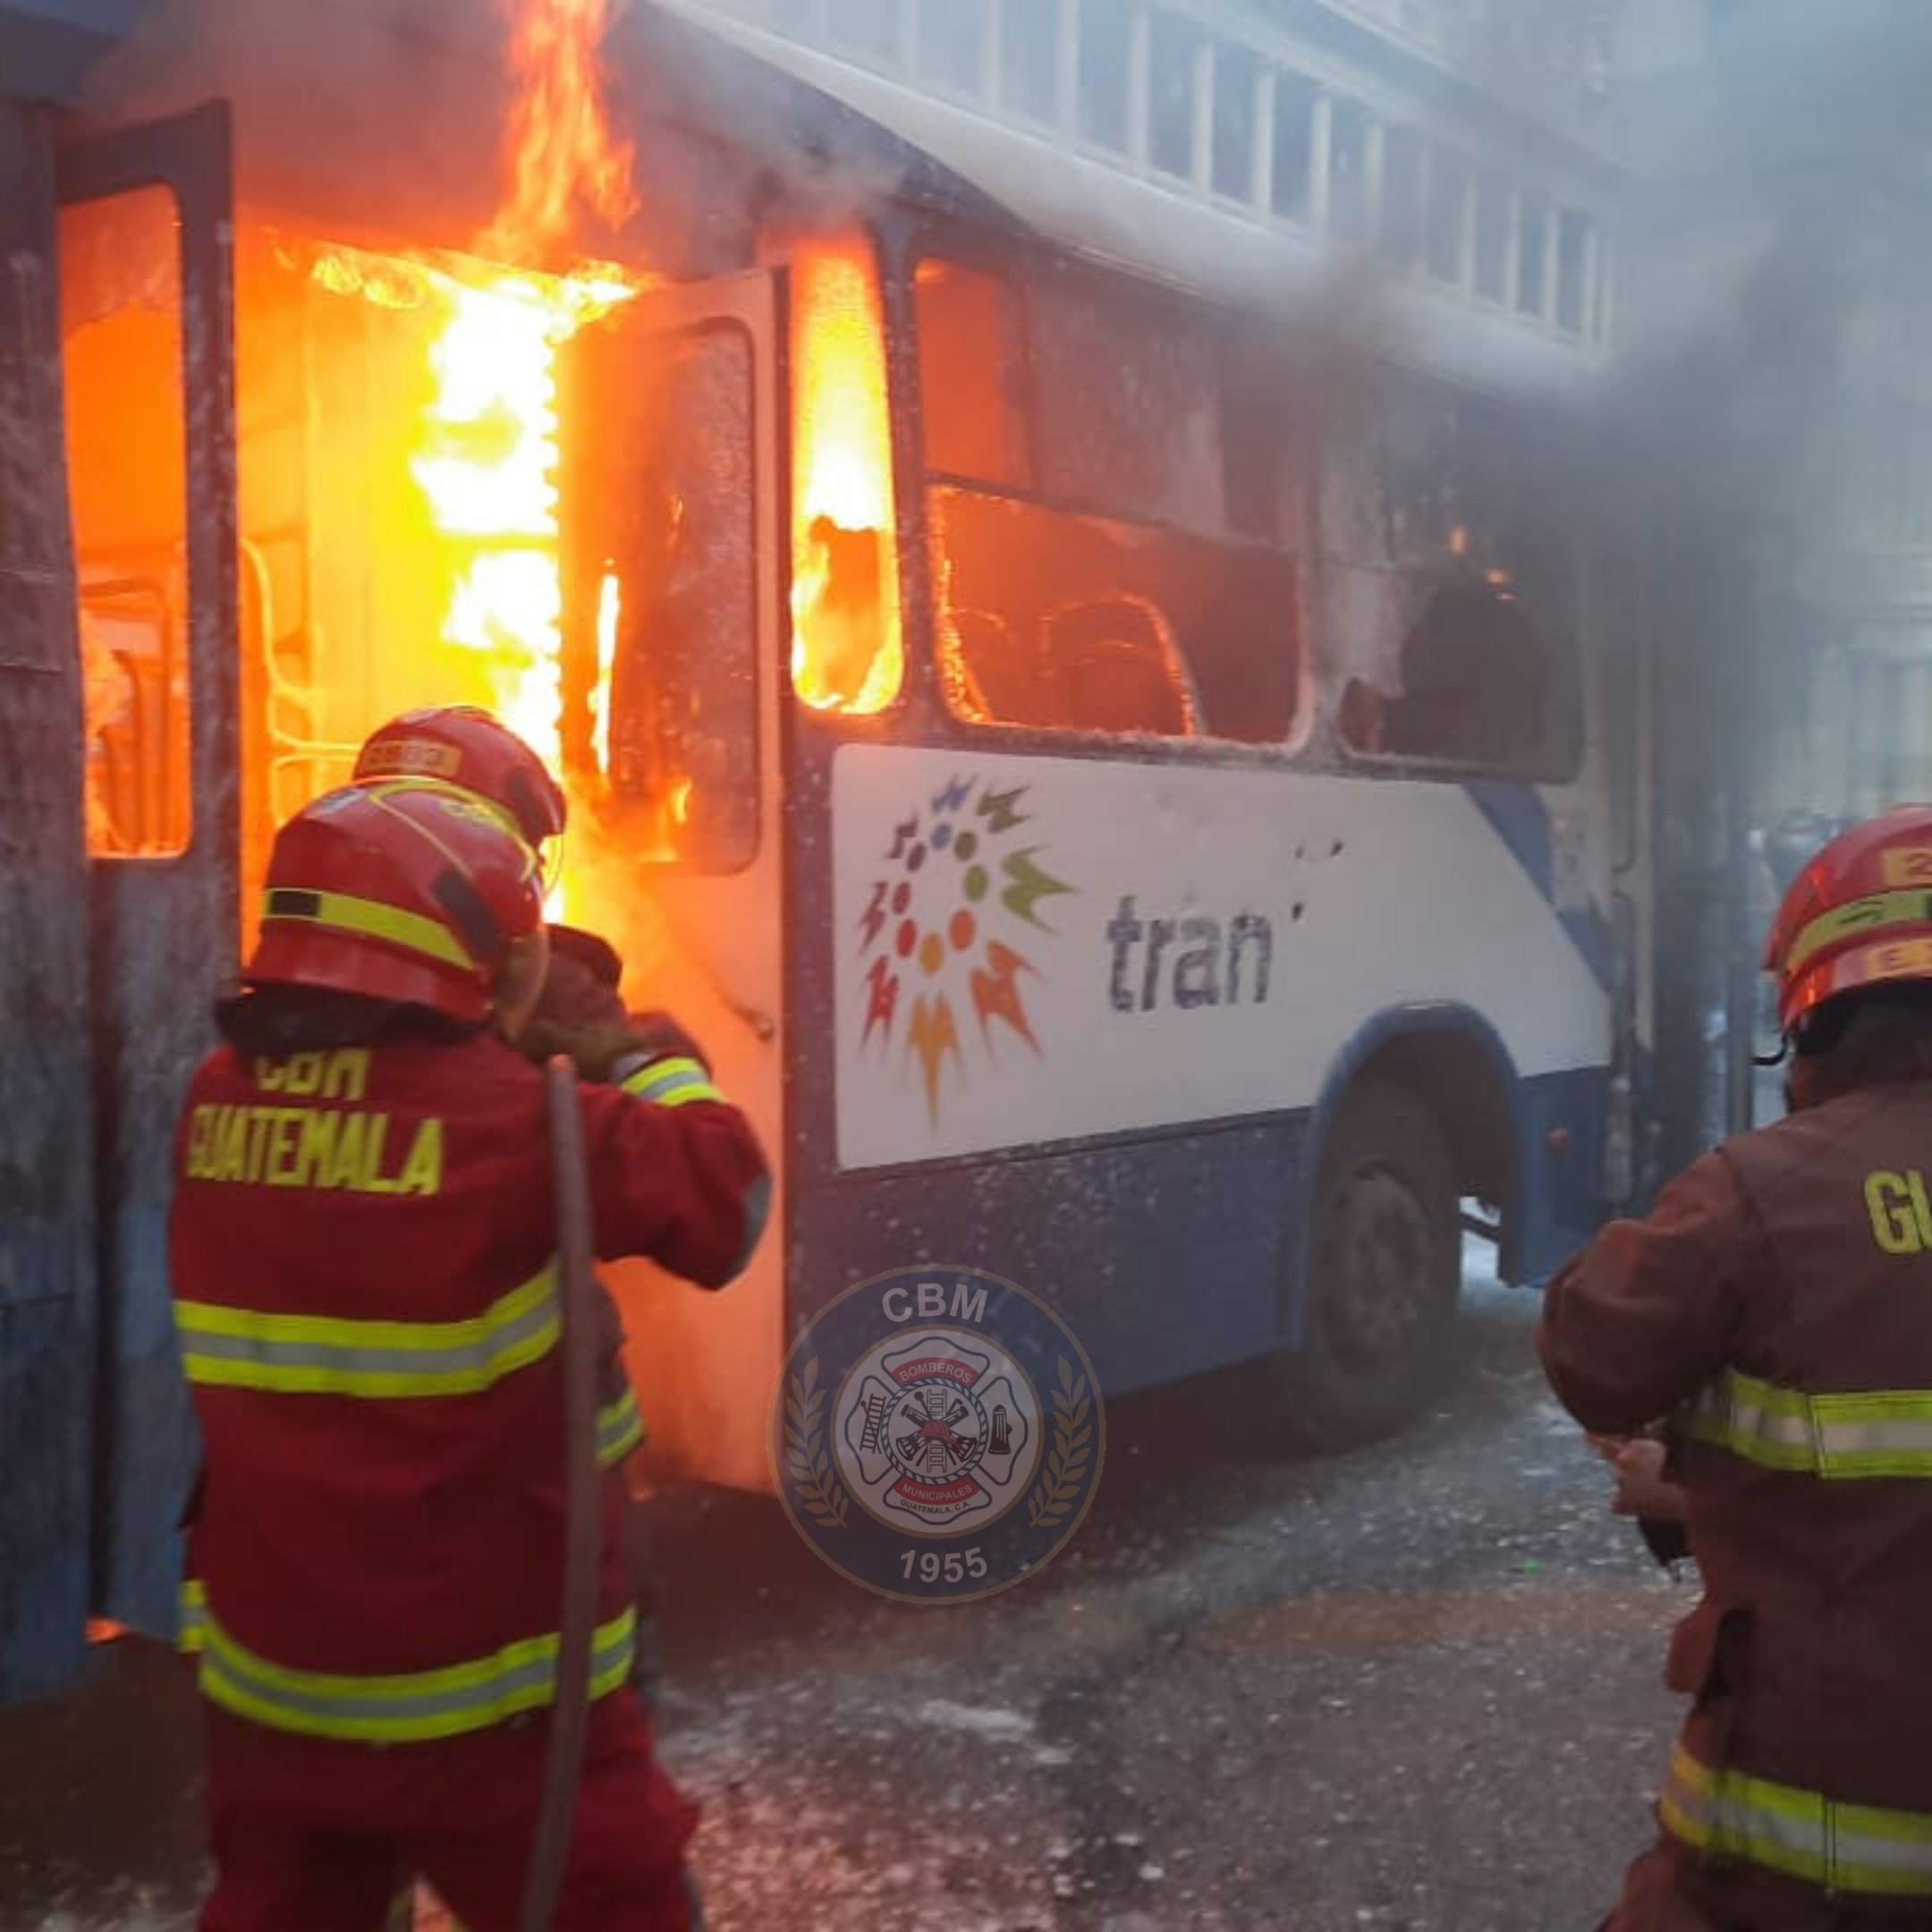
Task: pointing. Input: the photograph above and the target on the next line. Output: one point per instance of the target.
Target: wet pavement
(1412, 1688)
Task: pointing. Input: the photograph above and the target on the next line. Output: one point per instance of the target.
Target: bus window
(1075, 622)
(972, 375)
(121, 326)
(1112, 596)
(846, 651)
(1127, 396)
(668, 503)
(1474, 666)
(1475, 676)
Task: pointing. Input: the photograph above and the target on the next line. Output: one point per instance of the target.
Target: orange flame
(489, 455)
(610, 609)
(484, 450)
(559, 146)
(846, 649)
(485, 463)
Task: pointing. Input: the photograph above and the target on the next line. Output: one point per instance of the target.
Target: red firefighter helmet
(406, 889)
(1859, 915)
(463, 745)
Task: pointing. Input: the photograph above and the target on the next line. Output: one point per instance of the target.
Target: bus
(1130, 779)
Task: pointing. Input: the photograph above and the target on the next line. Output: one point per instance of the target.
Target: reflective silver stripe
(415, 1706)
(1755, 1419)
(1878, 1432)
(326, 1355)
(1847, 1847)
(1885, 1433)
(671, 1082)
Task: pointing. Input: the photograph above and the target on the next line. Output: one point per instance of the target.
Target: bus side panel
(46, 1269)
(1164, 1257)
(1561, 1124)
(1120, 1092)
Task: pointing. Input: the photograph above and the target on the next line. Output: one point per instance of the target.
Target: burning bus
(1115, 766)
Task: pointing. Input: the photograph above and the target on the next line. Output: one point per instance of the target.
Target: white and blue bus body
(1225, 929)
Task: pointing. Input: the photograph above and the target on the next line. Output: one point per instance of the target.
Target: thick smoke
(1772, 209)
(375, 118)
(1776, 281)
(1772, 274)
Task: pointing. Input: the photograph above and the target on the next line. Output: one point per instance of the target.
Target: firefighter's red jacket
(362, 1250)
(1777, 1305)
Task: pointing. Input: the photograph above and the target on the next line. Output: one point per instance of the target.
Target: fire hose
(583, 1481)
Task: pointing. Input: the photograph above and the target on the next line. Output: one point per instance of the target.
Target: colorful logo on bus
(938, 1434)
(957, 896)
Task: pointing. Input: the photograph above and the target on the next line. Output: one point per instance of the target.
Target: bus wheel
(1385, 1267)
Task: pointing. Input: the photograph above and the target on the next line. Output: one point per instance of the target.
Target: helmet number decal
(412, 757)
(1909, 865)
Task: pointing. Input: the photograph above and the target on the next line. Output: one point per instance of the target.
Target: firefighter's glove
(597, 956)
(580, 987)
(594, 1050)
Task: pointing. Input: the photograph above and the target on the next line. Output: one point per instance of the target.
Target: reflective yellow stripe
(1846, 1847)
(411, 1708)
(1879, 1432)
(619, 1428)
(193, 1605)
(342, 912)
(1866, 917)
(326, 1355)
(675, 1082)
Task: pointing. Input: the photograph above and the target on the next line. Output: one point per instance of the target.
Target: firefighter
(1777, 1306)
(466, 746)
(363, 1253)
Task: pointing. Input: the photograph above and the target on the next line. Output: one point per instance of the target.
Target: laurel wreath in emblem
(1060, 1481)
(818, 1487)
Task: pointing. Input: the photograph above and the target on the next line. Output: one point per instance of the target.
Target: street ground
(1413, 1689)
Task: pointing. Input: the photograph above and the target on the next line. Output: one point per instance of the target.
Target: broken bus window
(128, 485)
(1075, 586)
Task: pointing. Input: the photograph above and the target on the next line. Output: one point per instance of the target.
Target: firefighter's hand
(594, 1050)
(1642, 1488)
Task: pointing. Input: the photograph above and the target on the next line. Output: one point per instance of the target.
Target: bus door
(46, 1259)
(146, 333)
(672, 554)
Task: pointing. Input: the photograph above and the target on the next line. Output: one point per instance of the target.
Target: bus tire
(1384, 1272)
